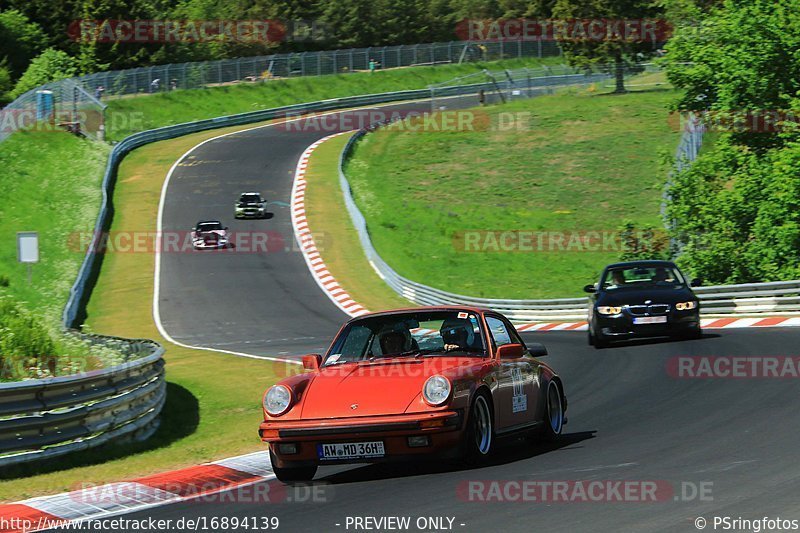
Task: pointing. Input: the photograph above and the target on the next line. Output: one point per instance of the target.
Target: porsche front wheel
(479, 436)
(292, 474)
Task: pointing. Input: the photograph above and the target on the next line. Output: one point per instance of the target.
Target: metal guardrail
(81, 98)
(45, 418)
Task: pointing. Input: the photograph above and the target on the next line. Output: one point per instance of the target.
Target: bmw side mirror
(696, 282)
(537, 350)
(589, 288)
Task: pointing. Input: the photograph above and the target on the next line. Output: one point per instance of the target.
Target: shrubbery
(29, 349)
(735, 211)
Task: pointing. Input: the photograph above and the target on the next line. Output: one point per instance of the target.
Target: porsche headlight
(277, 400)
(436, 390)
(686, 306)
(606, 310)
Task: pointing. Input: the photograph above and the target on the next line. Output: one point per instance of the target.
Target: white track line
(162, 200)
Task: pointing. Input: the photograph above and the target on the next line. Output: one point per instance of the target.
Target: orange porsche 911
(402, 384)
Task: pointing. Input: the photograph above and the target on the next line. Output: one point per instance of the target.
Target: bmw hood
(656, 295)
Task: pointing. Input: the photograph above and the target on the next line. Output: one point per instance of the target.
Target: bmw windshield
(642, 277)
(412, 334)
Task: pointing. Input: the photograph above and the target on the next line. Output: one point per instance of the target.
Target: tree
(50, 65)
(614, 47)
(5, 87)
(742, 57)
(20, 41)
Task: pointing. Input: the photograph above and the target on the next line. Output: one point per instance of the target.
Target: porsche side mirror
(312, 361)
(590, 288)
(537, 350)
(696, 282)
(510, 351)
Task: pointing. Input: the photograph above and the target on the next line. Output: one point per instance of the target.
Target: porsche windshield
(412, 334)
(640, 277)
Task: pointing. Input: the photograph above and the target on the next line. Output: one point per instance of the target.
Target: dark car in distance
(251, 205)
(642, 299)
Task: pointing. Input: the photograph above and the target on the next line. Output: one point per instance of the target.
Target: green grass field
(50, 183)
(128, 115)
(341, 250)
(585, 162)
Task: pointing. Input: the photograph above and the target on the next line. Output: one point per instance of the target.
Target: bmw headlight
(606, 310)
(436, 390)
(686, 306)
(277, 400)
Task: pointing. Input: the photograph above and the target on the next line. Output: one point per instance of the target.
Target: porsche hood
(376, 388)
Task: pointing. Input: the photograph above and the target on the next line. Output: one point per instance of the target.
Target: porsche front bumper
(443, 430)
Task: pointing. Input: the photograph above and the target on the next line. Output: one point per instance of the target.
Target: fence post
(351, 60)
(540, 47)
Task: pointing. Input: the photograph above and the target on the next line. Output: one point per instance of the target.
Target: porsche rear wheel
(292, 474)
(554, 412)
(479, 436)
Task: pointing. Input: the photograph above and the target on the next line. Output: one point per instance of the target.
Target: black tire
(692, 334)
(292, 474)
(554, 417)
(479, 437)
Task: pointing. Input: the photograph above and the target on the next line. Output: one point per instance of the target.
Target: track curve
(628, 419)
(263, 303)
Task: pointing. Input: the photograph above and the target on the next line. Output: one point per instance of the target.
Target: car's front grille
(648, 310)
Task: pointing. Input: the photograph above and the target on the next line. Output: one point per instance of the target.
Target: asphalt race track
(262, 303)
(629, 419)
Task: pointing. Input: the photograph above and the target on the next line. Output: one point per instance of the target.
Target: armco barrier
(45, 418)
(781, 297)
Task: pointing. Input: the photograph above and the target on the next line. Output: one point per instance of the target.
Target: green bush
(30, 350)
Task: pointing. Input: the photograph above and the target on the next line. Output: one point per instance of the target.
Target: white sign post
(28, 249)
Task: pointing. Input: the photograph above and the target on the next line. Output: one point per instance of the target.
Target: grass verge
(342, 250)
(586, 162)
(50, 183)
(212, 411)
(128, 115)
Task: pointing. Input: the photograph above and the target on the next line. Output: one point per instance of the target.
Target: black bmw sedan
(642, 299)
